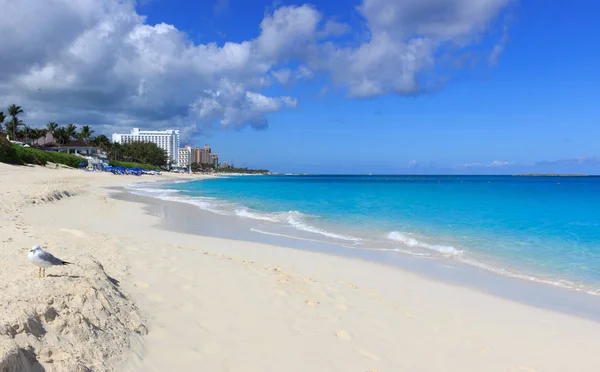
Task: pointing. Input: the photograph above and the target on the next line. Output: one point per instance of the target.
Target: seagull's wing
(48, 257)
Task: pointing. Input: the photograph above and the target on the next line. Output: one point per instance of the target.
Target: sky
(365, 86)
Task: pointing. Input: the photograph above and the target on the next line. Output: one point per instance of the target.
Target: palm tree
(14, 111)
(26, 131)
(51, 127)
(36, 133)
(2, 118)
(71, 131)
(61, 135)
(85, 134)
(102, 142)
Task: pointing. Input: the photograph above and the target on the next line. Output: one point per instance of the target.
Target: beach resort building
(185, 156)
(205, 155)
(215, 160)
(167, 140)
(196, 155)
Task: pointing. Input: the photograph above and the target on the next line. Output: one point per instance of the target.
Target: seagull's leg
(43, 272)
(39, 272)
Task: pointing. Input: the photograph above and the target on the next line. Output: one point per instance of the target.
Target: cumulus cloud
(412, 163)
(99, 62)
(405, 35)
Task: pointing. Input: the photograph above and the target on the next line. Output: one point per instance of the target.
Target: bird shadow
(63, 276)
(114, 281)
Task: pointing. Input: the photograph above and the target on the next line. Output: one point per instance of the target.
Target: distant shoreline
(550, 175)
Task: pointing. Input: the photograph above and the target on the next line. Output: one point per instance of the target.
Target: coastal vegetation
(242, 170)
(125, 164)
(145, 155)
(138, 152)
(18, 155)
(549, 175)
(201, 167)
(134, 155)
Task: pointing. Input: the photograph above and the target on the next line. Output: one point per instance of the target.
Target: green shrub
(66, 159)
(16, 154)
(125, 164)
(32, 156)
(8, 154)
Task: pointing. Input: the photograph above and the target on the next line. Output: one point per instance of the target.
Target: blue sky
(442, 107)
(539, 103)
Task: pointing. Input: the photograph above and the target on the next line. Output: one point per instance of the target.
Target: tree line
(139, 152)
(202, 167)
(17, 130)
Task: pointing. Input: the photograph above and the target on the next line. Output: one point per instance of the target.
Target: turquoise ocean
(543, 229)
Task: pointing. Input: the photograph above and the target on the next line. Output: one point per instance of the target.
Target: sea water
(539, 228)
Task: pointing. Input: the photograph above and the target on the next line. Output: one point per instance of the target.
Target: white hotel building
(167, 140)
(185, 157)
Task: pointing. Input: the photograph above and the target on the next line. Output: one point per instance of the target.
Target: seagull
(43, 259)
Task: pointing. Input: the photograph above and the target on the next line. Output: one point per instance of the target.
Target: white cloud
(405, 35)
(499, 47)
(335, 28)
(99, 62)
(492, 164)
(285, 34)
(283, 76)
(412, 163)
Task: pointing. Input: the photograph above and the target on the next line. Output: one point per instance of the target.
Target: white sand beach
(141, 298)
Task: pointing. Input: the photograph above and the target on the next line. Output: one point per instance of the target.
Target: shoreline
(221, 304)
(185, 218)
(270, 224)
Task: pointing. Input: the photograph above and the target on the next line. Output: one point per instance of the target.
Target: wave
(315, 230)
(447, 250)
(292, 218)
(243, 212)
(154, 191)
(298, 221)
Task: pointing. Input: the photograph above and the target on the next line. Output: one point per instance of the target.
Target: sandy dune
(221, 305)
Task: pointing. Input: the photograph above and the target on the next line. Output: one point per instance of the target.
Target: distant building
(196, 155)
(215, 160)
(185, 156)
(205, 155)
(71, 147)
(44, 140)
(167, 140)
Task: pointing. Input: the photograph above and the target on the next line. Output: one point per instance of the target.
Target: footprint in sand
(344, 335)
(484, 350)
(312, 303)
(320, 294)
(349, 285)
(369, 355)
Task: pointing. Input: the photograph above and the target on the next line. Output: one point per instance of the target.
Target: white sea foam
(298, 224)
(412, 242)
(298, 221)
(154, 191)
(245, 213)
